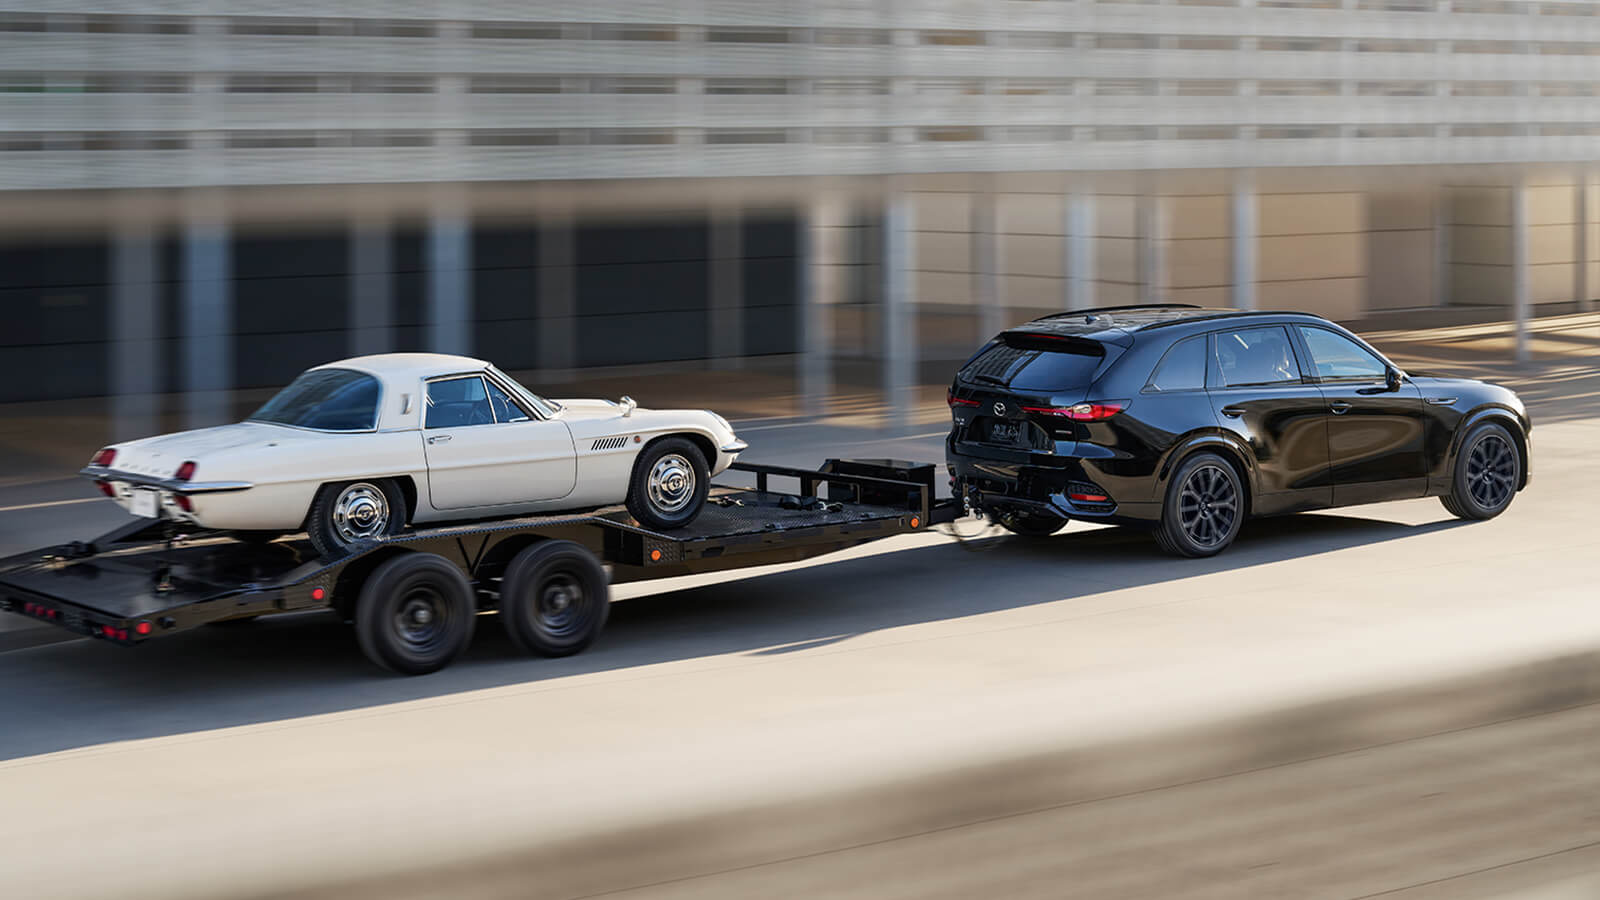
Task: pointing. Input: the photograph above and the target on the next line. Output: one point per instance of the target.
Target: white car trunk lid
(161, 456)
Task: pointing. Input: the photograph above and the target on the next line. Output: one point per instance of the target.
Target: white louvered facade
(154, 94)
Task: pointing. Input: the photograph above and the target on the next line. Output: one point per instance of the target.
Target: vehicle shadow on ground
(82, 693)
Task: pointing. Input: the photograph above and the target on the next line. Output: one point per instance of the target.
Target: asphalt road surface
(274, 756)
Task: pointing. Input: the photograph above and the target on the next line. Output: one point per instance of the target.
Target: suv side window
(1260, 355)
(1334, 356)
(1183, 368)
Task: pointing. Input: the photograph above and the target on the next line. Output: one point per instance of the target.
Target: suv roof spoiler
(1101, 309)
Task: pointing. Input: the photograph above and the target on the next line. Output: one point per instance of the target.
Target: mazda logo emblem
(999, 409)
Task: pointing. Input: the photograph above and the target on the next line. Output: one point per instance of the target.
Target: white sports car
(354, 450)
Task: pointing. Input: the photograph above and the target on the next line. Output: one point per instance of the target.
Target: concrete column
(1243, 218)
(1519, 267)
(371, 285)
(727, 287)
(135, 356)
(449, 254)
(1441, 247)
(899, 308)
(986, 285)
(1580, 281)
(817, 271)
(557, 288)
(1080, 250)
(1152, 249)
(207, 312)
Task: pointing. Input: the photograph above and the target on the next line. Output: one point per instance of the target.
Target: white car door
(484, 449)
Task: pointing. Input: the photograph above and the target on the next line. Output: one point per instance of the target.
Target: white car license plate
(145, 503)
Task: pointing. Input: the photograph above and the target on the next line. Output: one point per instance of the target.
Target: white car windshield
(325, 400)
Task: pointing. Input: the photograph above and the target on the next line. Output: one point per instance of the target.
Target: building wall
(1402, 249)
(642, 296)
(1480, 246)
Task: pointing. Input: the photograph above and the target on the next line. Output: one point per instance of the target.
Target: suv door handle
(439, 439)
(1233, 412)
(1339, 407)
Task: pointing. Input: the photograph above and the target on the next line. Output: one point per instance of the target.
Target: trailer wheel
(415, 614)
(554, 598)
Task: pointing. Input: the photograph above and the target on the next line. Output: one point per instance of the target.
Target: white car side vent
(610, 443)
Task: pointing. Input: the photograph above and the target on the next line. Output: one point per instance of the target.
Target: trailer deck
(152, 578)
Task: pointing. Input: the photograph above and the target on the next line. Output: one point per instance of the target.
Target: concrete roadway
(273, 757)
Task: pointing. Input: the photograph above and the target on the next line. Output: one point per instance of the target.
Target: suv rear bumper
(1010, 485)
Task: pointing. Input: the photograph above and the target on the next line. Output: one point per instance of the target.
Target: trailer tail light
(318, 593)
(1081, 412)
(105, 457)
(185, 471)
(143, 628)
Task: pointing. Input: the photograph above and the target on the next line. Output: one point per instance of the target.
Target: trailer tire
(554, 598)
(415, 614)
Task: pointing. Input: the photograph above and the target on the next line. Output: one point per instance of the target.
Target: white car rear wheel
(355, 512)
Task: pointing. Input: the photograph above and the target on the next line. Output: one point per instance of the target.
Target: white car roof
(392, 366)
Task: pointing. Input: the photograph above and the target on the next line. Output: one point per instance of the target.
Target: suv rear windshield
(1038, 363)
(327, 400)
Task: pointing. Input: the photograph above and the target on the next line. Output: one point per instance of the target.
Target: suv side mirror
(1391, 378)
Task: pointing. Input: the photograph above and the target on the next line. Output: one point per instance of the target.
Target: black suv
(1189, 420)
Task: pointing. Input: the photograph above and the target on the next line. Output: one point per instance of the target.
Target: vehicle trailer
(414, 597)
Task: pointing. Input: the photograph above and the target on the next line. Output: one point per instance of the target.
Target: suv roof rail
(1101, 309)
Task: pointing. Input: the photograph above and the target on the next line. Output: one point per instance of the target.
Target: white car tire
(349, 513)
(669, 485)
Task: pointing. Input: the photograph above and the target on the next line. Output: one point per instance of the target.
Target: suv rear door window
(1042, 364)
(1256, 356)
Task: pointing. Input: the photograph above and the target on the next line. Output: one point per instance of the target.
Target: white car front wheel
(670, 484)
(355, 512)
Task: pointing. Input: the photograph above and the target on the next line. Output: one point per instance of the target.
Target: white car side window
(458, 402)
(505, 408)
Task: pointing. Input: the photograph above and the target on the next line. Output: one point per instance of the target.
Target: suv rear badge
(999, 409)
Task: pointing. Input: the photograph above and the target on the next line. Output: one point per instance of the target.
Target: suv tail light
(1082, 412)
(952, 400)
(104, 458)
(185, 471)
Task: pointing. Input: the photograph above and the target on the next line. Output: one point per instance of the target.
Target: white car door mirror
(628, 406)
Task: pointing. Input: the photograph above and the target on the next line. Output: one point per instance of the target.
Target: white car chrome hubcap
(361, 513)
(671, 484)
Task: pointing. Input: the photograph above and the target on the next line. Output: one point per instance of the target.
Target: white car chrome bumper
(102, 473)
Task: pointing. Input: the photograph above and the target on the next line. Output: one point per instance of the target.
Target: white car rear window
(325, 400)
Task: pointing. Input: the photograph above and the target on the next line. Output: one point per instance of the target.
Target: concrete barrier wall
(747, 832)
